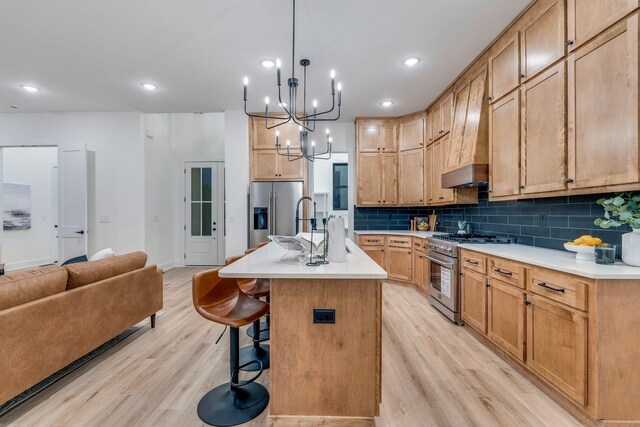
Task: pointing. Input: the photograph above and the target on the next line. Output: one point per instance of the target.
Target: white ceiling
(90, 55)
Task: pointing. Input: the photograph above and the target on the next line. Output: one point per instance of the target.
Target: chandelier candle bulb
(278, 64)
(333, 82)
(246, 82)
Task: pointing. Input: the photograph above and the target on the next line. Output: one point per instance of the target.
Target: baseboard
(168, 266)
(11, 266)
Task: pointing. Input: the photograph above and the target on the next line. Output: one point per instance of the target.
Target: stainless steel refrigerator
(272, 208)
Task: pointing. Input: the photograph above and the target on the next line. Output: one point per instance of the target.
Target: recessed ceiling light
(411, 61)
(267, 63)
(386, 103)
(30, 88)
(149, 86)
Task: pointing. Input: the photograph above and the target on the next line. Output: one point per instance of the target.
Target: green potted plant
(623, 209)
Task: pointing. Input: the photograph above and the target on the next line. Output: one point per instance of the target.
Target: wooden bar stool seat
(259, 331)
(220, 300)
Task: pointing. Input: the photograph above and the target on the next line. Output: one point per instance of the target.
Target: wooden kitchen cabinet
(506, 318)
(439, 118)
(399, 263)
(557, 346)
(603, 108)
(440, 195)
(474, 300)
(542, 39)
(504, 146)
(265, 139)
(412, 132)
(544, 146)
(376, 253)
(376, 135)
(267, 165)
(504, 70)
(420, 270)
(411, 182)
(586, 19)
(376, 179)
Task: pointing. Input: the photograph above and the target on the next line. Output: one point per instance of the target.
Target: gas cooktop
(472, 238)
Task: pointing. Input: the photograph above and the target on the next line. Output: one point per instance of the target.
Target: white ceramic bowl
(583, 253)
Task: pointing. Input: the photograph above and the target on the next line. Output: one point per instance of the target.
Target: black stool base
(248, 354)
(223, 407)
(264, 334)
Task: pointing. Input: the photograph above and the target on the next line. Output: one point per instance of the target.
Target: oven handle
(449, 265)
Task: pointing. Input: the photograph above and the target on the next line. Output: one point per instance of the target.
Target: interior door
(72, 205)
(204, 202)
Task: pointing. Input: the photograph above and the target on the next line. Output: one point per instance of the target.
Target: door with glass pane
(204, 216)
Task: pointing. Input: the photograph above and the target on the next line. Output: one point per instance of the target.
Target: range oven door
(443, 280)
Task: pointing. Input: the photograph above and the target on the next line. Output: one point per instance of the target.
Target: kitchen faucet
(298, 219)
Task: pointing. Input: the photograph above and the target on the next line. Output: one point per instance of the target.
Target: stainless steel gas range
(444, 270)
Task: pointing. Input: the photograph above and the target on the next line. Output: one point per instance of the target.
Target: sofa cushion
(88, 272)
(25, 286)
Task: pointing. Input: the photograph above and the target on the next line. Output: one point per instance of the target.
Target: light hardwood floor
(434, 374)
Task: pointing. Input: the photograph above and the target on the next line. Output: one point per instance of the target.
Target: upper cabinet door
(291, 170)
(264, 165)
(446, 114)
(586, 19)
(543, 132)
(412, 178)
(429, 190)
(603, 108)
(440, 152)
(370, 136)
(389, 178)
(263, 138)
(504, 70)
(369, 179)
(433, 124)
(504, 142)
(457, 129)
(543, 40)
(412, 133)
(390, 136)
(289, 132)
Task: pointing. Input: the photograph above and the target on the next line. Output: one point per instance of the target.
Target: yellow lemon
(598, 241)
(578, 241)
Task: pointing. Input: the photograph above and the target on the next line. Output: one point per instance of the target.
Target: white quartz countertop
(419, 234)
(268, 263)
(556, 260)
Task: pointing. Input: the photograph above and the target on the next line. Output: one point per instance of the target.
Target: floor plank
(434, 374)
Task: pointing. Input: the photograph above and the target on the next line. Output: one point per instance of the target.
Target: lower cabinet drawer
(558, 287)
(371, 240)
(507, 271)
(474, 261)
(399, 242)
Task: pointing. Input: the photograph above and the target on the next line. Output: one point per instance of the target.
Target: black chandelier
(306, 122)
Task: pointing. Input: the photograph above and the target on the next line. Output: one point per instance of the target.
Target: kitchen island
(325, 365)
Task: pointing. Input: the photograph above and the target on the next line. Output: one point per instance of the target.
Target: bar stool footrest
(251, 353)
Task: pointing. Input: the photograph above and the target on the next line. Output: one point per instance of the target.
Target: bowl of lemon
(584, 247)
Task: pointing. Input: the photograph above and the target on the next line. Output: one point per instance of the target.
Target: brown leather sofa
(53, 315)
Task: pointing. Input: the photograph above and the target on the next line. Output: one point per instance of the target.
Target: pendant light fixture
(290, 109)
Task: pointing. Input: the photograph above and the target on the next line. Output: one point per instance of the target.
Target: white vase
(337, 240)
(631, 248)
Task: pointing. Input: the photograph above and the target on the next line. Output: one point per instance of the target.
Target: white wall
(323, 181)
(32, 166)
(170, 140)
(236, 135)
(115, 167)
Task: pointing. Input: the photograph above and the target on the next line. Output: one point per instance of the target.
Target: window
(340, 186)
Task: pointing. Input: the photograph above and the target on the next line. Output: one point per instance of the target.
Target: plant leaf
(618, 201)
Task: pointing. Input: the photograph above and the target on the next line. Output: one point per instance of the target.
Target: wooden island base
(325, 374)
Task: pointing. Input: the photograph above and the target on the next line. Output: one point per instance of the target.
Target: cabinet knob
(383, 148)
(378, 148)
(527, 302)
(489, 98)
(521, 186)
(569, 42)
(569, 180)
(522, 75)
(488, 285)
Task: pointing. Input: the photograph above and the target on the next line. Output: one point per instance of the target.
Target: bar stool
(220, 300)
(254, 288)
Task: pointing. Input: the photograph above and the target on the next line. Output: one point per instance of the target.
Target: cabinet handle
(470, 261)
(569, 42)
(569, 180)
(503, 272)
(441, 198)
(527, 302)
(551, 288)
